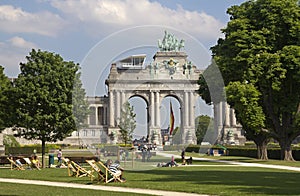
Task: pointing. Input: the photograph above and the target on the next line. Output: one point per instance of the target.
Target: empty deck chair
(79, 171)
(71, 170)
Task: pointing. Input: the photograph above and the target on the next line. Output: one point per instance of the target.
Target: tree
(261, 47)
(5, 106)
(44, 98)
(80, 104)
(245, 100)
(127, 122)
(203, 125)
(176, 136)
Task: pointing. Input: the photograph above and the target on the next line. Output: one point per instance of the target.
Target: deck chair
(14, 165)
(97, 169)
(109, 175)
(30, 164)
(71, 170)
(79, 171)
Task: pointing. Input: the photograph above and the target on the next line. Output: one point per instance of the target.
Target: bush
(10, 141)
(29, 149)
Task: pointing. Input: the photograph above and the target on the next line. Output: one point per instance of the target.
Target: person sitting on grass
(171, 163)
(117, 169)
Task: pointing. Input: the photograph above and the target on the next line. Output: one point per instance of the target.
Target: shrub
(10, 141)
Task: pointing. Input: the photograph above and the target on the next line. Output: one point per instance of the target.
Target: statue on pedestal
(170, 43)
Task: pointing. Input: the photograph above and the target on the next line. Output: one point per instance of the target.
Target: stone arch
(166, 76)
(147, 115)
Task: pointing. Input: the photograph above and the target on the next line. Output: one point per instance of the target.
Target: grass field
(205, 178)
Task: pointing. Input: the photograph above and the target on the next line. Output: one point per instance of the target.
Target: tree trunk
(43, 153)
(262, 152)
(286, 151)
(261, 140)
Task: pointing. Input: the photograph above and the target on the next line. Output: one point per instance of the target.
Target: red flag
(171, 119)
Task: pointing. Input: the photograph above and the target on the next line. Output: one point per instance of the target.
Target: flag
(171, 119)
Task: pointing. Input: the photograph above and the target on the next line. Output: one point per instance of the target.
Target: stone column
(219, 114)
(157, 116)
(104, 115)
(152, 108)
(88, 118)
(186, 109)
(111, 109)
(123, 99)
(1, 139)
(233, 118)
(227, 114)
(96, 115)
(191, 109)
(118, 106)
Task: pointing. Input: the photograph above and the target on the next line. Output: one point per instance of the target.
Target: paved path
(236, 163)
(98, 187)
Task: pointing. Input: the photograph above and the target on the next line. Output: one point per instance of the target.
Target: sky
(95, 33)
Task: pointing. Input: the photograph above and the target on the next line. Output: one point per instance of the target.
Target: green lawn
(25, 189)
(206, 179)
(248, 160)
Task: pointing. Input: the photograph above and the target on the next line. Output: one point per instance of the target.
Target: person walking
(59, 156)
(183, 156)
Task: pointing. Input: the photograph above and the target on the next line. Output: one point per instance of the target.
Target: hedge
(244, 151)
(28, 150)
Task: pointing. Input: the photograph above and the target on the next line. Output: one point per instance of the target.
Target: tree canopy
(44, 91)
(203, 127)
(5, 107)
(261, 48)
(127, 122)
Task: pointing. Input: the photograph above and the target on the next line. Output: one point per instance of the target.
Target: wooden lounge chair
(71, 170)
(79, 171)
(31, 164)
(109, 176)
(97, 169)
(14, 165)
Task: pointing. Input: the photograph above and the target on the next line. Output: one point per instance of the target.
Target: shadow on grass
(241, 181)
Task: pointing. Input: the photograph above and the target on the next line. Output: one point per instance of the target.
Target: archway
(140, 108)
(171, 104)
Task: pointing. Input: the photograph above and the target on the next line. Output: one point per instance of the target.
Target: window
(84, 132)
(93, 132)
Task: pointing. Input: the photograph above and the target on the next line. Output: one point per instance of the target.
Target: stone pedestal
(2, 147)
(155, 136)
(1, 139)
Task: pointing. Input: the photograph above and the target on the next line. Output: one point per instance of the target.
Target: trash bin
(51, 160)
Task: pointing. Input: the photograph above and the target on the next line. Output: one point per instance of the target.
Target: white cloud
(19, 42)
(12, 52)
(118, 14)
(15, 20)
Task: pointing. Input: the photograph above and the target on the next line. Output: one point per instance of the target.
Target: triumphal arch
(169, 74)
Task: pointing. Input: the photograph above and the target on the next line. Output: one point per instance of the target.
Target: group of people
(173, 163)
(146, 153)
(33, 159)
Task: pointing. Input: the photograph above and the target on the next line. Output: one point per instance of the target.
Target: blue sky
(95, 33)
